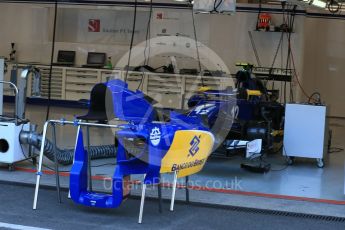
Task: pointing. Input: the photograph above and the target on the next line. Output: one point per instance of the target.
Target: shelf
(261, 31)
(170, 90)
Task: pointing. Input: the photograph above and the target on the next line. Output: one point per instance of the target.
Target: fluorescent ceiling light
(319, 3)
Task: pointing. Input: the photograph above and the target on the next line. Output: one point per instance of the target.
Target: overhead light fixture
(214, 6)
(319, 3)
(316, 3)
(332, 6)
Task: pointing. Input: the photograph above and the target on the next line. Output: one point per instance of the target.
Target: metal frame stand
(174, 186)
(160, 205)
(79, 124)
(173, 192)
(44, 136)
(40, 161)
(187, 189)
(89, 172)
(142, 202)
(57, 174)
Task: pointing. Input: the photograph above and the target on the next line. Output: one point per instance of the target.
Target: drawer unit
(82, 76)
(170, 90)
(57, 91)
(79, 87)
(110, 75)
(81, 79)
(135, 80)
(194, 83)
(167, 100)
(77, 95)
(166, 89)
(165, 84)
(79, 83)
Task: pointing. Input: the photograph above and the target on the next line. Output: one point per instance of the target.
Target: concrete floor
(16, 213)
(303, 179)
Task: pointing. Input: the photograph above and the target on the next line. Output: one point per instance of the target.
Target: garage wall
(318, 45)
(324, 61)
(232, 34)
(230, 39)
(28, 26)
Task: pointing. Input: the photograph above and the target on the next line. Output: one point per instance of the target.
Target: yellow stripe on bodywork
(253, 93)
(204, 89)
(188, 153)
(277, 133)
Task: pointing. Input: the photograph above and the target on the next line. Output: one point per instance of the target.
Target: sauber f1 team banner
(188, 152)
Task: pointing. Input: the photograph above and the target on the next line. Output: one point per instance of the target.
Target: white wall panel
(31, 27)
(324, 69)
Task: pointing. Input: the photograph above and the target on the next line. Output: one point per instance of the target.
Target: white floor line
(19, 227)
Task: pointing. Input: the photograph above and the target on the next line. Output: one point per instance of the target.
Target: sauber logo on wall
(94, 25)
(159, 16)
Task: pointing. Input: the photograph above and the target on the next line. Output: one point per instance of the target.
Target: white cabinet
(73, 84)
(135, 80)
(107, 75)
(79, 82)
(167, 90)
(57, 83)
(305, 131)
(172, 90)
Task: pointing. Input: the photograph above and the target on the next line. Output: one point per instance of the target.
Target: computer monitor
(66, 56)
(94, 58)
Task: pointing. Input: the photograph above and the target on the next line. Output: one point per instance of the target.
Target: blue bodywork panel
(132, 107)
(129, 105)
